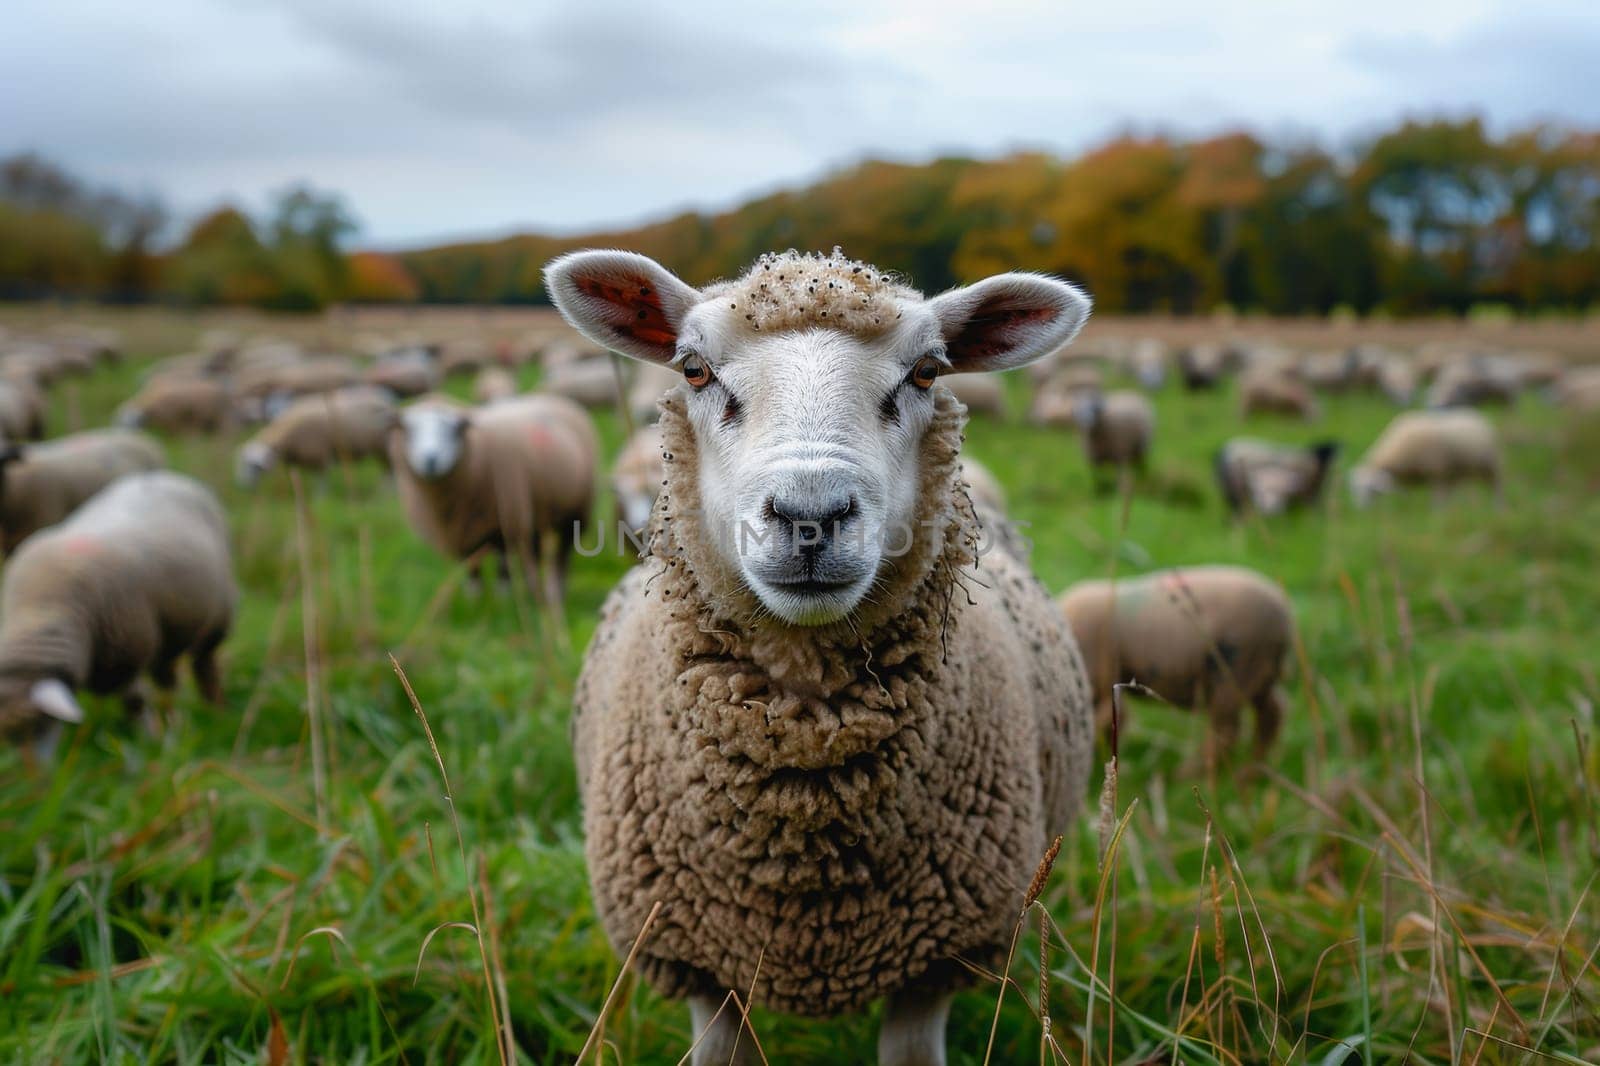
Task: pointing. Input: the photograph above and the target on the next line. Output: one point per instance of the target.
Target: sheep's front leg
(720, 1037)
(912, 1033)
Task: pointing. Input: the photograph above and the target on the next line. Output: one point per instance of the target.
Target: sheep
(1270, 391)
(636, 478)
(314, 432)
(514, 478)
(1473, 383)
(136, 578)
(593, 383)
(1578, 387)
(1268, 479)
(835, 760)
(1202, 366)
(171, 404)
(1206, 638)
(22, 409)
(1437, 448)
(1058, 401)
(1334, 371)
(492, 384)
(649, 383)
(981, 393)
(267, 388)
(465, 356)
(40, 484)
(407, 372)
(1147, 362)
(1397, 379)
(1116, 427)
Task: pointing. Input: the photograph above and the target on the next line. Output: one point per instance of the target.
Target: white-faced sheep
(1438, 448)
(138, 577)
(514, 478)
(493, 384)
(315, 432)
(1117, 428)
(180, 404)
(1271, 391)
(835, 760)
(1206, 638)
(40, 484)
(1268, 479)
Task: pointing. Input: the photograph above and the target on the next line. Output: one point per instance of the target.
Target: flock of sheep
(834, 751)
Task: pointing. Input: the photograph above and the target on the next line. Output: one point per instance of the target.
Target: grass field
(289, 880)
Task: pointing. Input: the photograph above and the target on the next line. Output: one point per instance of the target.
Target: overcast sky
(479, 117)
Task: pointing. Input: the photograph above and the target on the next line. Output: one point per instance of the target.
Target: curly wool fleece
(833, 814)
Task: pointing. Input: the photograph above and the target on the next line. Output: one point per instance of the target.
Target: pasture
(317, 875)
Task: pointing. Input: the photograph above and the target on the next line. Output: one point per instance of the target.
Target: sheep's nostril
(795, 512)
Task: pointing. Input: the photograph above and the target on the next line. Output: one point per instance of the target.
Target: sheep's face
(435, 439)
(255, 459)
(1272, 487)
(32, 712)
(810, 400)
(1367, 484)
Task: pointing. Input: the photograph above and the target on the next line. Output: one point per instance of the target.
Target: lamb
(138, 577)
(592, 383)
(493, 383)
(514, 478)
(1206, 638)
(173, 404)
(1117, 427)
(637, 477)
(22, 409)
(1271, 391)
(1268, 479)
(1439, 448)
(314, 432)
(835, 760)
(40, 484)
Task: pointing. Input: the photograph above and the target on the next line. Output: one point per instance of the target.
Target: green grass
(225, 894)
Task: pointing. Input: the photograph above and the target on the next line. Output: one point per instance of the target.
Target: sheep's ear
(52, 697)
(1008, 320)
(621, 300)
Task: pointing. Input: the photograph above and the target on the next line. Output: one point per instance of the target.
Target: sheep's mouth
(808, 601)
(812, 587)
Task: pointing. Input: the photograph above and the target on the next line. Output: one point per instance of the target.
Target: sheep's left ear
(52, 697)
(1008, 320)
(623, 301)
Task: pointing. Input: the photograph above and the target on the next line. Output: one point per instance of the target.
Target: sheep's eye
(924, 373)
(697, 372)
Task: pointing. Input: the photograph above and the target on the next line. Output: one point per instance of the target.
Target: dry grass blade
(313, 658)
(627, 964)
(435, 931)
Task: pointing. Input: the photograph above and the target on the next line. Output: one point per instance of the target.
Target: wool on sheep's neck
(923, 583)
(46, 641)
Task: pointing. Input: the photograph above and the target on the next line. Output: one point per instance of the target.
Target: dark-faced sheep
(40, 484)
(1205, 638)
(1117, 428)
(835, 760)
(515, 478)
(1267, 479)
(138, 577)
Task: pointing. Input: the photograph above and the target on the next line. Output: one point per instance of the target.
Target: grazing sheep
(1329, 371)
(1147, 362)
(406, 372)
(833, 758)
(981, 393)
(1475, 382)
(514, 478)
(1270, 391)
(1397, 379)
(267, 388)
(1057, 402)
(637, 477)
(314, 432)
(138, 577)
(592, 383)
(1202, 366)
(41, 484)
(22, 409)
(1205, 638)
(1579, 388)
(644, 395)
(171, 404)
(1267, 478)
(1117, 427)
(1438, 448)
(493, 383)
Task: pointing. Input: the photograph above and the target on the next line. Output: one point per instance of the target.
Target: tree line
(1426, 217)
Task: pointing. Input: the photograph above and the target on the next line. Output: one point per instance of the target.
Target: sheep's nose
(796, 512)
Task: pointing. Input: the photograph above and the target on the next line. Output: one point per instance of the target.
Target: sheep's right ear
(621, 300)
(52, 697)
